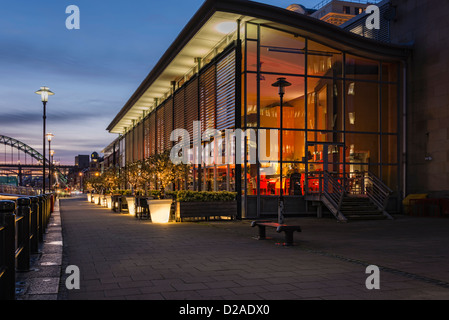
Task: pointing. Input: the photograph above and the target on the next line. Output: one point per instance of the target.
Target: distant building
(338, 12)
(82, 161)
(335, 12)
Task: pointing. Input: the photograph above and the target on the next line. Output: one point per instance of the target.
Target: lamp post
(281, 83)
(44, 92)
(81, 182)
(52, 153)
(49, 137)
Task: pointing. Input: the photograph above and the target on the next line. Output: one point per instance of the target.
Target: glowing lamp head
(226, 27)
(44, 92)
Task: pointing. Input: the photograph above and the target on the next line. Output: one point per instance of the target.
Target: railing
(366, 183)
(377, 191)
(325, 2)
(22, 226)
(332, 189)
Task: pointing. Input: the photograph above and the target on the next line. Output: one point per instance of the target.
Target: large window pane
(281, 52)
(390, 72)
(251, 54)
(293, 146)
(270, 111)
(323, 61)
(361, 68)
(362, 106)
(390, 149)
(362, 148)
(251, 31)
(291, 178)
(390, 176)
(251, 100)
(324, 104)
(325, 136)
(390, 108)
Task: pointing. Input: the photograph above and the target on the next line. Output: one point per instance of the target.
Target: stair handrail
(338, 190)
(379, 193)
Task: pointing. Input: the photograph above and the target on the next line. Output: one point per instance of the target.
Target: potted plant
(164, 172)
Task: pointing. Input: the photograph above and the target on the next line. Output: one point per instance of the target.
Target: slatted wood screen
(207, 92)
(209, 97)
(168, 123)
(129, 147)
(160, 128)
(191, 105)
(152, 133)
(225, 117)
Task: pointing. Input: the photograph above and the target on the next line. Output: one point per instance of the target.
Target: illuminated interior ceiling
(206, 39)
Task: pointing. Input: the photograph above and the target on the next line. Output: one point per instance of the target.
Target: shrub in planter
(205, 204)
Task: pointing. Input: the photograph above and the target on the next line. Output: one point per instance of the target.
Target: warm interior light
(226, 27)
(160, 210)
(352, 117)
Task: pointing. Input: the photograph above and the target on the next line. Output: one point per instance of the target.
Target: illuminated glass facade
(340, 115)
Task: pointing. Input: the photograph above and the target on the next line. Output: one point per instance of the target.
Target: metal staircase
(364, 197)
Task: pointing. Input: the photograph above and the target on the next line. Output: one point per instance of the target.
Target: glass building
(340, 114)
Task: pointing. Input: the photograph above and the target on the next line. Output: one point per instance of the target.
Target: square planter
(185, 210)
(131, 201)
(160, 210)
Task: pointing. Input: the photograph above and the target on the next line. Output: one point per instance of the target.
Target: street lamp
(44, 92)
(281, 83)
(81, 182)
(49, 137)
(52, 153)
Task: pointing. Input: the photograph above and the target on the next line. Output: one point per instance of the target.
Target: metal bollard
(24, 211)
(45, 212)
(34, 225)
(52, 203)
(40, 219)
(8, 274)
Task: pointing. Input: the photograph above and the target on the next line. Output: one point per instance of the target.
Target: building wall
(425, 24)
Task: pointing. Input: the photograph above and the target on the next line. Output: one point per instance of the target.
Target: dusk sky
(93, 71)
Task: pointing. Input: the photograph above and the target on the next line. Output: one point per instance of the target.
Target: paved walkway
(120, 257)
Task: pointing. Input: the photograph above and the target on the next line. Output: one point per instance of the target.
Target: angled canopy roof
(200, 36)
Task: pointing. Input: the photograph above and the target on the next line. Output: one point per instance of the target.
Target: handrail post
(8, 279)
(34, 226)
(24, 210)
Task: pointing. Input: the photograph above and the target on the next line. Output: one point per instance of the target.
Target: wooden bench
(288, 230)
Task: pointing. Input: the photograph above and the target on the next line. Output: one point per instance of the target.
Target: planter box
(131, 201)
(160, 210)
(207, 210)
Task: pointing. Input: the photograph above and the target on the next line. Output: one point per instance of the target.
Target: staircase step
(366, 217)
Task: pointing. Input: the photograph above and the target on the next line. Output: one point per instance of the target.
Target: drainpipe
(404, 131)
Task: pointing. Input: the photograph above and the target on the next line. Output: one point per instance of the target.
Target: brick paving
(121, 258)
